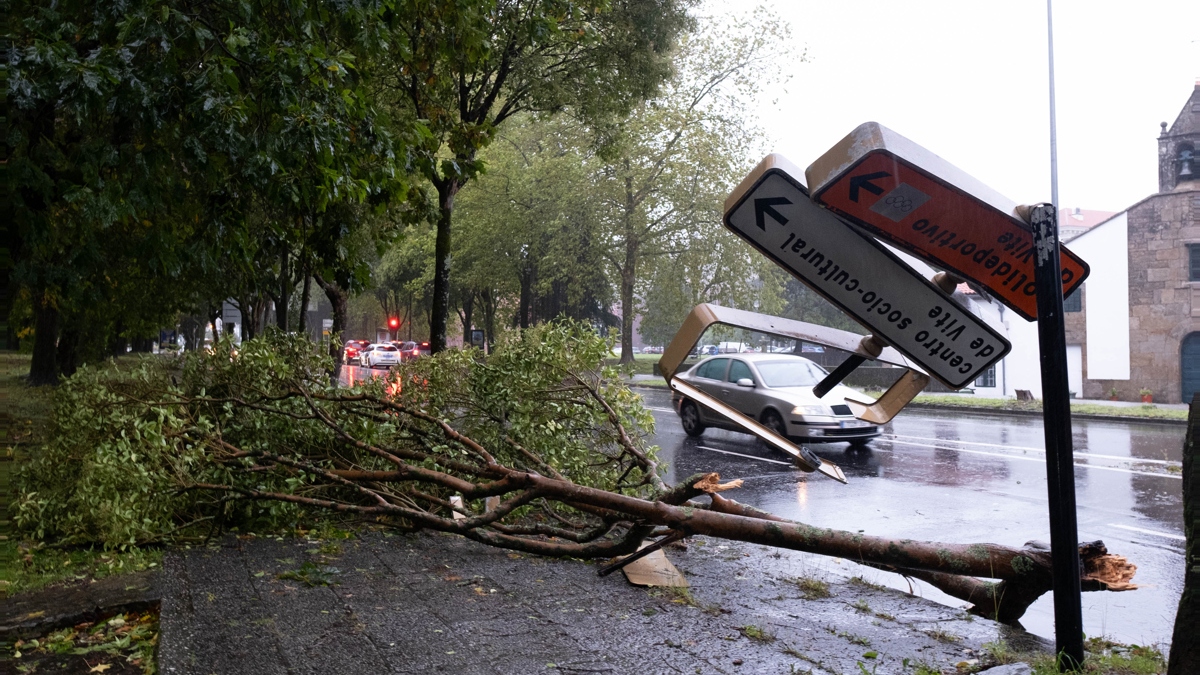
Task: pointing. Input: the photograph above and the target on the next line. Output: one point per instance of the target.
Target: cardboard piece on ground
(654, 570)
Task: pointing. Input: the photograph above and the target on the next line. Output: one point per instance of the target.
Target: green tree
(173, 143)
(464, 67)
(527, 231)
(663, 174)
(715, 267)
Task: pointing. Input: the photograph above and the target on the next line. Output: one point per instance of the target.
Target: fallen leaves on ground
(119, 645)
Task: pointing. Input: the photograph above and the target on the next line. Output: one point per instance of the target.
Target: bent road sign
(772, 211)
(921, 203)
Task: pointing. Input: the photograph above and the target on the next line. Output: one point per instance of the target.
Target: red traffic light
(393, 323)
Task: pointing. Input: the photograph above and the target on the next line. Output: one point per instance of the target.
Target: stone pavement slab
(433, 603)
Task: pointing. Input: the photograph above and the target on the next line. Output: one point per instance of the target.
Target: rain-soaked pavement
(964, 478)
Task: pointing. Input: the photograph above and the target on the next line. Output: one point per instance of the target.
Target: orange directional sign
(919, 202)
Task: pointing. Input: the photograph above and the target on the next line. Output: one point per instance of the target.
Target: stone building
(1150, 254)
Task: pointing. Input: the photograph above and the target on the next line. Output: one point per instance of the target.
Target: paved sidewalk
(432, 603)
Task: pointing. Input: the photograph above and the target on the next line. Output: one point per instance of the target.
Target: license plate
(853, 424)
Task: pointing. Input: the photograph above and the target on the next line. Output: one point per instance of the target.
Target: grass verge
(1101, 657)
(1147, 411)
(25, 414)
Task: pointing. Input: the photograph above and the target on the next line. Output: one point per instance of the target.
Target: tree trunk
(68, 350)
(628, 268)
(339, 301)
(627, 310)
(446, 189)
(43, 368)
(285, 293)
(468, 308)
(526, 296)
(305, 294)
(1185, 648)
(116, 345)
(489, 320)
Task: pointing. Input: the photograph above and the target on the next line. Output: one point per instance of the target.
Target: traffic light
(393, 323)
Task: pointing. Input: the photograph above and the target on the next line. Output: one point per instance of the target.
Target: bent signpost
(898, 190)
(772, 211)
(919, 202)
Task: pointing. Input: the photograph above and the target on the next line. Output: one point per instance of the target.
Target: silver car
(776, 390)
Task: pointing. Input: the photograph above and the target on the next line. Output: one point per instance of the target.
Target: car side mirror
(746, 382)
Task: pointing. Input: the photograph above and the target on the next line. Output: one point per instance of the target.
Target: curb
(987, 412)
(28, 615)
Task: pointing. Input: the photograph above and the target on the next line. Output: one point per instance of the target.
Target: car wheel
(772, 421)
(689, 415)
(860, 444)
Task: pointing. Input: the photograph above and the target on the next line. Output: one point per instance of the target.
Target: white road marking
(738, 454)
(1123, 458)
(666, 410)
(1168, 535)
(1043, 461)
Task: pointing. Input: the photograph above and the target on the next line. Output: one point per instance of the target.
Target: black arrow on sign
(764, 207)
(864, 182)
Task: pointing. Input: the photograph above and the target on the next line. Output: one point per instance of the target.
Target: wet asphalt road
(965, 478)
(972, 478)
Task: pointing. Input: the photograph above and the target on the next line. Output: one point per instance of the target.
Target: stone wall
(1164, 306)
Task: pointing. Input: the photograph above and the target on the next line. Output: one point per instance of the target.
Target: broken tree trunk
(531, 456)
(1024, 573)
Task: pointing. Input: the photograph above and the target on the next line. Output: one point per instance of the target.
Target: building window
(1193, 262)
(1074, 301)
(988, 378)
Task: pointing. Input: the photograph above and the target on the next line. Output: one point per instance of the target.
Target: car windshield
(797, 373)
(385, 348)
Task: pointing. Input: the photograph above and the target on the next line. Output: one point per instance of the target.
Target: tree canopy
(461, 69)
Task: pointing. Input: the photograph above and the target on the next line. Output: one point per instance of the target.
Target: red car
(352, 349)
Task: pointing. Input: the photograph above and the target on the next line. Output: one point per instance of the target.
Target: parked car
(352, 349)
(382, 354)
(776, 390)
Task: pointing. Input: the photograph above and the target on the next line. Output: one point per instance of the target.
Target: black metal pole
(1060, 466)
(840, 373)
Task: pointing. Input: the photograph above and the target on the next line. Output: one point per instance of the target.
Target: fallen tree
(537, 449)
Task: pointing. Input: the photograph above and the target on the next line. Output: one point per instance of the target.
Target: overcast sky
(968, 80)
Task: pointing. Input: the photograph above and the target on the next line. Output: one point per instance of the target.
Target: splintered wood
(1114, 571)
(711, 483)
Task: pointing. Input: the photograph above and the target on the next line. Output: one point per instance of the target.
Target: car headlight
(812, 410)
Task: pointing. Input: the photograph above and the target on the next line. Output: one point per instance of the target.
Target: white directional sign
(772, 211)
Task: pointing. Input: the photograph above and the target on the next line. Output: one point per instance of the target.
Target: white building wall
(1021, 369)
(1106, 298)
